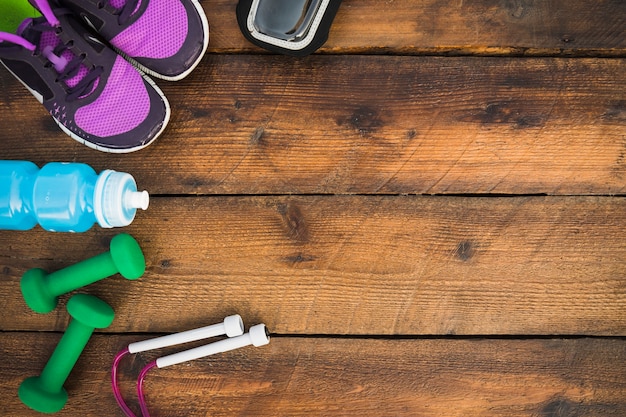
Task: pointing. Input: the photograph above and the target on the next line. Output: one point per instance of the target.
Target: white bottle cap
(116, 199)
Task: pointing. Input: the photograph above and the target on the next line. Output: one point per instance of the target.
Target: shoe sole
(77, 138)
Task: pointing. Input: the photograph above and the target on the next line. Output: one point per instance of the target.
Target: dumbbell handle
(65, 355)
(81, 274)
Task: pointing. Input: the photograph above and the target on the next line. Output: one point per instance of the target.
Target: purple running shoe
(93, 94)
(164, 38)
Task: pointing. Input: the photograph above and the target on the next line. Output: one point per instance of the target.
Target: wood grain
(379, 206)
(343, 377)
(367, 124)
(354, 265)
(484, 27)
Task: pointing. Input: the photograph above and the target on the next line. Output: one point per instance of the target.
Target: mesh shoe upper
(93, 94)
(166, 38)
(126, 78)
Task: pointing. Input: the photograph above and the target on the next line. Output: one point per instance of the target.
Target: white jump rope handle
(232, 326)
(257, 336)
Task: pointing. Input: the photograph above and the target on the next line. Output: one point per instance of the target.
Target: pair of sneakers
(86, 61)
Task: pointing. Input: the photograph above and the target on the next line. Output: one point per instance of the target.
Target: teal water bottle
(66, 197)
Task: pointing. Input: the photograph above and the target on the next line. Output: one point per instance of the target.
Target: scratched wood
(521, 27)
(351, 377)
(354, 265)
(246, 124)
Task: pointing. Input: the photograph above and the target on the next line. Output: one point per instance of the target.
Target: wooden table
(428, 214)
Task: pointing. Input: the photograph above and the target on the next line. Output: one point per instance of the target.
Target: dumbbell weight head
(90, 311)
(36, 292)
(34, 395)
(127, 256)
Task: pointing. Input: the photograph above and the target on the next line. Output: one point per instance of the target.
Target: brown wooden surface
(363, 124)
(357, 265)
(321, 376)
(429, 215)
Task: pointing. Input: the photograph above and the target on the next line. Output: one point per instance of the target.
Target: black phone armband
(291, 27)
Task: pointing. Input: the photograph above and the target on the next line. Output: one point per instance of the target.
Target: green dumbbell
(41, 290)
(45, 393)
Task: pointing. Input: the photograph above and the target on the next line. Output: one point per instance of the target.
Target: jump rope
(232, 327)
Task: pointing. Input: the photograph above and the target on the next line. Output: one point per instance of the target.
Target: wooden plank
(484, 27)
(354, 265)
(323, 377)
(367, 124)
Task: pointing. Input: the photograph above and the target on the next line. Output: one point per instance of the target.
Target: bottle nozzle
(137, 199)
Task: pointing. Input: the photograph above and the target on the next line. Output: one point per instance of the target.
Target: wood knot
(293, 222)
(464, 250)
(560, 407)
(299, 258)
(504, 113)
(257, 136)
(364, 119)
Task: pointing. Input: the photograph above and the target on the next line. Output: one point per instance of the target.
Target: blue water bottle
(66, 197)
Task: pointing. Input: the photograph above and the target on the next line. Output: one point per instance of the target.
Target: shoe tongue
(46, 41)
(118, 4)
(25, 30)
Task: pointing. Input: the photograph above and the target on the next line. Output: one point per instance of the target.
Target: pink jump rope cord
(140, 395)
(116, 388)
